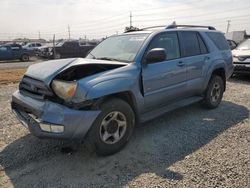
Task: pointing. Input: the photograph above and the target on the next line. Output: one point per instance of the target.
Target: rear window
(219, 40)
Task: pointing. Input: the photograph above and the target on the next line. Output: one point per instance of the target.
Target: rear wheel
(112, 128)
(25, 57)
(214, 93)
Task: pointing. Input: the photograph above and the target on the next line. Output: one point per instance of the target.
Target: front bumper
(32, 113)
(242, 68)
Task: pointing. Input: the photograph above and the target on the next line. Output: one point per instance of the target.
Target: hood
(241, 52)
(70, 69)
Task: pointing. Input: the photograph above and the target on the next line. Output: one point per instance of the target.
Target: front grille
(34, 88)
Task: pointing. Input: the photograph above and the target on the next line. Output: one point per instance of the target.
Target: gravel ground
(190, 147)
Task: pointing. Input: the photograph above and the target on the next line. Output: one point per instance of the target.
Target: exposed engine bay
(80, 71)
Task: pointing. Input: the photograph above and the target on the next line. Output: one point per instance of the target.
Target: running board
(160, 111)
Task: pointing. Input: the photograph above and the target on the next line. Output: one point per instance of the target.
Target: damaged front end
(54, 104)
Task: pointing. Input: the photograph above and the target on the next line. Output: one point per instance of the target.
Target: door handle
(181, 64)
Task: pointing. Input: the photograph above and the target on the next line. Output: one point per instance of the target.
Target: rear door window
(189, 43)
(3, 49)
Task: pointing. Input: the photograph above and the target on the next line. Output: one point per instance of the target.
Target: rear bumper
(33, 113)
(241, 68)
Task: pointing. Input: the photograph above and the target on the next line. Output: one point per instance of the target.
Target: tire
(100, 137)
(25, 57)
(213, 93)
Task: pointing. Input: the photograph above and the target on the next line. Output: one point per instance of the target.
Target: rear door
(16, 51)
(164, 82)
(196, 57)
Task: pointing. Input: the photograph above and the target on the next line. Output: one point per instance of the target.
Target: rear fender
(218, 64)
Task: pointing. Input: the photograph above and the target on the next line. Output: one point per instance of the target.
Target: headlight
(63, 89)
(50, 49)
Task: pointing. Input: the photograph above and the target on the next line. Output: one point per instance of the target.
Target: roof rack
(152, 27)
(200, 26)
(145, 28)
(171, 27)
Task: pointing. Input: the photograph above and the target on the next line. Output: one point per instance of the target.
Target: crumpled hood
(87, 72)
(46, 71)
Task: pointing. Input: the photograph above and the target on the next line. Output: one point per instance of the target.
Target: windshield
(118, 48)
(244, 45)
(59, 43)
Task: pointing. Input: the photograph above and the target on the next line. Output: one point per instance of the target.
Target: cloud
(98, 18)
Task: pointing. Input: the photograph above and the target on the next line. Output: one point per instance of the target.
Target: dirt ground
(189, 147)
(9, 76)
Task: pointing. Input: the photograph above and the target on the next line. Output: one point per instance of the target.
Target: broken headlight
(64, 90)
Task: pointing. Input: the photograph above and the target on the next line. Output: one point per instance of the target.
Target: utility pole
(228, 25)
(54, 49)
(130, 19)
(39, 35)
(69, 31)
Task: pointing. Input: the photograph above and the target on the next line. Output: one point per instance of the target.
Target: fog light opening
(57, 128)
(52, 128)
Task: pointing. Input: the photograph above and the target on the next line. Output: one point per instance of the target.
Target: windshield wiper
(107, 58)
(92, 55)
(111, 59)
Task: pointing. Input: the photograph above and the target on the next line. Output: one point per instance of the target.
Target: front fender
(109, 87)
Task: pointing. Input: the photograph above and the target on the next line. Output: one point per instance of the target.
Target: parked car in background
(33, 47)
(13, 52)
(232, 44)
(241, 58)
(126, 79)
(66, 49)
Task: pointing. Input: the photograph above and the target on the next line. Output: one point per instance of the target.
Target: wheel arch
(126, 96)
(220, 72)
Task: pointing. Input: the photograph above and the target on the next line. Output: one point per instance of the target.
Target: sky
(101, 18)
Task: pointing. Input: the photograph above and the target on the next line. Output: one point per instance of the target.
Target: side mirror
(156, 55)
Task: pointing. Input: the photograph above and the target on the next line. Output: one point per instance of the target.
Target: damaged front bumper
(46, 119)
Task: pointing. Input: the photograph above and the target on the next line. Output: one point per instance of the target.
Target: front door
(164, 82)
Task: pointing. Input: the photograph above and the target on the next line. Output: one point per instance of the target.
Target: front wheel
(113, 127)
(25, 57)
(214, 93)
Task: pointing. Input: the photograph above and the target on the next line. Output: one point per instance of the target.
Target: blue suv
(126, 79)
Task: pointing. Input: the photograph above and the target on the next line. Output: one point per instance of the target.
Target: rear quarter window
(219, 40)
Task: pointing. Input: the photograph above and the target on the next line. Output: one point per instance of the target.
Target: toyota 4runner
(126, 79)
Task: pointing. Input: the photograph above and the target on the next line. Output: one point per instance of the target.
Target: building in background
(237, 36)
